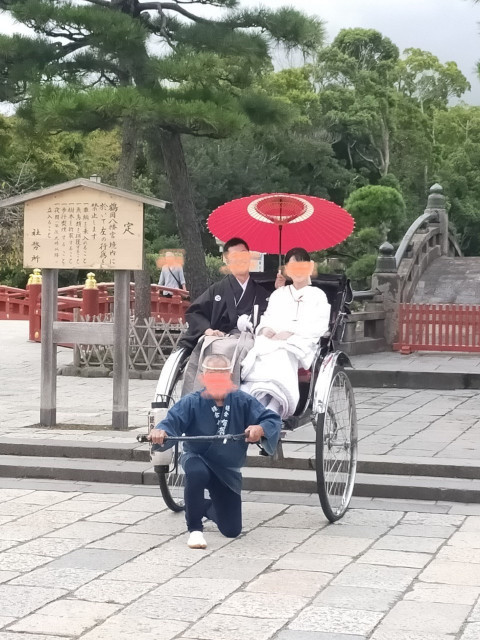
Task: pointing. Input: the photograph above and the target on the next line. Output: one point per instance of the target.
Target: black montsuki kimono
(220, 307)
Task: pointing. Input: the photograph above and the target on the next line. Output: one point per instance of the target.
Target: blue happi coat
(194, 415)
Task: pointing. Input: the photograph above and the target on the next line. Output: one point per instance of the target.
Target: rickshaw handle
(226, 437)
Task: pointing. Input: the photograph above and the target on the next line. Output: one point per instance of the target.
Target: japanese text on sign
(93, 231)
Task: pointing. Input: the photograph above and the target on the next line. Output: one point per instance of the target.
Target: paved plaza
(86, 401)
(105, 562)
(404, 423)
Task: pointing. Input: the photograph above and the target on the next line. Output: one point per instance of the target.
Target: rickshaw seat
(304, 375)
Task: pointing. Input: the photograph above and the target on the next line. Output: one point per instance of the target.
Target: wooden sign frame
(83, 224)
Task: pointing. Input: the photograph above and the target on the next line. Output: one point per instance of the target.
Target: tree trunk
(126, 165)
(386, 148)
(170, 145)
(349, 151)
(126, 169)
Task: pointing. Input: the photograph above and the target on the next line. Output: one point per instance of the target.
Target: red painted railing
(168, 308)
(21, 304)
(437, 327)
(14, 303)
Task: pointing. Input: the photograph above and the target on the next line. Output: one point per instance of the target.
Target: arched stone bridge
(427, 268)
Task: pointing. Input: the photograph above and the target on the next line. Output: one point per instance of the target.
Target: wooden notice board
(83, 228)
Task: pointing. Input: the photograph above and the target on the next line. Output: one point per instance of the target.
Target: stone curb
(378, 379)
(255, 478)
(75, 449)
(297, 460)
(419, 488)
(74, 469)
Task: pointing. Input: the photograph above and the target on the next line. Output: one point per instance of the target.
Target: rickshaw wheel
(171, 479)
(172, 483)
(336, 447)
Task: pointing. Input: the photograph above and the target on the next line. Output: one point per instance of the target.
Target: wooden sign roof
(81, 182)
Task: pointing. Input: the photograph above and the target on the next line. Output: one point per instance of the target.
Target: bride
(287, 336)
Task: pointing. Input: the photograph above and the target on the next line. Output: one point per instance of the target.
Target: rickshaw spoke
(172, 483)
(336, 448)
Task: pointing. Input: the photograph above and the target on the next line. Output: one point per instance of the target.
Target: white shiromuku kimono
(270, 369)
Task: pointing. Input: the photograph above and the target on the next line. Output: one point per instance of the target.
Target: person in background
(171, 274)
(218, 409)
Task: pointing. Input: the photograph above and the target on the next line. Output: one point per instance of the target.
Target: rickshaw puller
(218, 409)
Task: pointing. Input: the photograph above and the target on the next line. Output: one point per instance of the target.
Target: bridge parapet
(397, 274)
(427, 238)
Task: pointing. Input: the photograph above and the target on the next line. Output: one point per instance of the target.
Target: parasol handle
(280, 227)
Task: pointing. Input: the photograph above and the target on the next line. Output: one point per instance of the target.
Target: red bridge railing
(25, 304)
(14, 303)
(437, 327)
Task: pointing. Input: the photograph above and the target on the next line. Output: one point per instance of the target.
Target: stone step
(382, 464)
(300, 460)
(255, 478)
(368, 485)
(364, 346)
(75, 469)
(133, 451)
(379, 379)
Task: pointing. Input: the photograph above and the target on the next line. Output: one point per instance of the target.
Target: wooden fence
(438, 327)
(150, 344)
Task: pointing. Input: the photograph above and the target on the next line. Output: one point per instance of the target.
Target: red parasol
(302, 221)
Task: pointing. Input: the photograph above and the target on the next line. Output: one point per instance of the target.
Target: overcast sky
(448, 28)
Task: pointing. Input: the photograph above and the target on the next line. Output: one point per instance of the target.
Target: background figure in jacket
(171, 273)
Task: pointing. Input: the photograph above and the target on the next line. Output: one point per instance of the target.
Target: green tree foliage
(29, 162)
(359, 124)
(370, 50)
(156, 66)
(422, 77)
(457, 142)
(379, 107)
(361, 270)
(355, 75)
(379, 207)
(356, 256)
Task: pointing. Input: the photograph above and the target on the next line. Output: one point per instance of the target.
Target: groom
(216, 312)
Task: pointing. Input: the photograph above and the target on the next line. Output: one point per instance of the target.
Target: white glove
(244, 324)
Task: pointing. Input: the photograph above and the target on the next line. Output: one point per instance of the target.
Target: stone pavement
(86, 401)
(399, 423)
(105, 562)
(423, 361)
(422, 370)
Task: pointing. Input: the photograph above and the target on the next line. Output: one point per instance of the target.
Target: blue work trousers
(224, 506)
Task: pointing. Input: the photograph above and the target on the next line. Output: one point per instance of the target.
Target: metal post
(121, 317)
(48, 373)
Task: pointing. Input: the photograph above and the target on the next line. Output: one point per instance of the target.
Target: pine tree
(158, 69)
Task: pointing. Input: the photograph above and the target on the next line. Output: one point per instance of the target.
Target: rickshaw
(326, 398)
